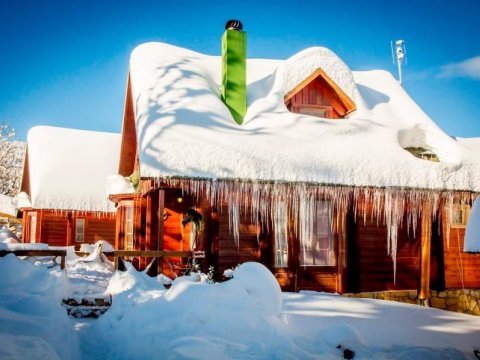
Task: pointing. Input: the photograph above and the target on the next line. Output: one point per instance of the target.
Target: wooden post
(118, 229)
(161, 209)
(39, 225)
(25, 228)
(69, 229)
(425, 243)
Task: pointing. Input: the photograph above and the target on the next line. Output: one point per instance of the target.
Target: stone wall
(464, 300)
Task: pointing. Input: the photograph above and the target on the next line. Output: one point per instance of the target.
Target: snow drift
(33, 324)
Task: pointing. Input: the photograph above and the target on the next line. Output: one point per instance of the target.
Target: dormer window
(320, 96)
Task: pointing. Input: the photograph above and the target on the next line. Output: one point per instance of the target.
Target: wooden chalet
(326, 182)
(334, 179)
(63, 196)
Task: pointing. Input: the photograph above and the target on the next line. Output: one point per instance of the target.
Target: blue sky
(65, 63)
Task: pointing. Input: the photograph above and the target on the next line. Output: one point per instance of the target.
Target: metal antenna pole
(400, 56)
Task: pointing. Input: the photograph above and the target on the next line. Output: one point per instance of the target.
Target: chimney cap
(234, 25)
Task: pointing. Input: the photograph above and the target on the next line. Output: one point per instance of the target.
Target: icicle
(265, 201)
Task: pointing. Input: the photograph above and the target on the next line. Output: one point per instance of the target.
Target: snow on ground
(246, 317)
(33, 324)
(89, 278)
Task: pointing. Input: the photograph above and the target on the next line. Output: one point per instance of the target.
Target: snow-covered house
(336, 179)
(63, 193)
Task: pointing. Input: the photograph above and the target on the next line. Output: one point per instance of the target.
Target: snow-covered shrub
(210, 275)
(11, 161)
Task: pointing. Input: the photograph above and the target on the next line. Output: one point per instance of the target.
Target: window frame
(282, 251)
(333, 244)
(313, 109)
(465, 213)
(32, 230)
(76, 237)
(128, 236)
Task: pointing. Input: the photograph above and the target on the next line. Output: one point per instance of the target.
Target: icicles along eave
(394, 208)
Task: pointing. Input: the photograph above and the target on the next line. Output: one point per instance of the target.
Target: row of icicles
(266, 201)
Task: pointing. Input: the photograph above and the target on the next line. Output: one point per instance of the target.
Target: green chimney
(234, 75)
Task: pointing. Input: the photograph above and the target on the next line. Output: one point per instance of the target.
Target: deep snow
(245, 317)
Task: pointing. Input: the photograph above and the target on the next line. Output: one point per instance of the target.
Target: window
(459, 216)
(322, 111)
(280, 218)
(128, 228)
(423, 153)
(319, 249)
(79, 230)
(33, 228)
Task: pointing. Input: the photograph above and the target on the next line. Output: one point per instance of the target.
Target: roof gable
(319, 90)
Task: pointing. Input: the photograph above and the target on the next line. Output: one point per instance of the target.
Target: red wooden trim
(25, 186)
(129, 137)
(344, 98)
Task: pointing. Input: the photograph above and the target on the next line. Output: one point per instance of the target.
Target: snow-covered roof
(68, 168)
(7, 207)
(184, 129)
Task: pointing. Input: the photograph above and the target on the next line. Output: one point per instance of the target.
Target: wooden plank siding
(461, 269)
(229, 254)
(318, 94)
(370, 266)
(55, 227)
(362, 262)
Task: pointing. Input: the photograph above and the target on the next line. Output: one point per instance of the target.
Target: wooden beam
(34, 253)
(118, 231)
(150, 253)
(425, 249)
(69, 229)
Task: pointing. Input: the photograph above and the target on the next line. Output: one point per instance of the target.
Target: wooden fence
(33, 253)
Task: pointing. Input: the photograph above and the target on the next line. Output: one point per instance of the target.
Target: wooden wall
(462, 270)
(228, 254)
(370, 266)
(318, 92)
(56, 228)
